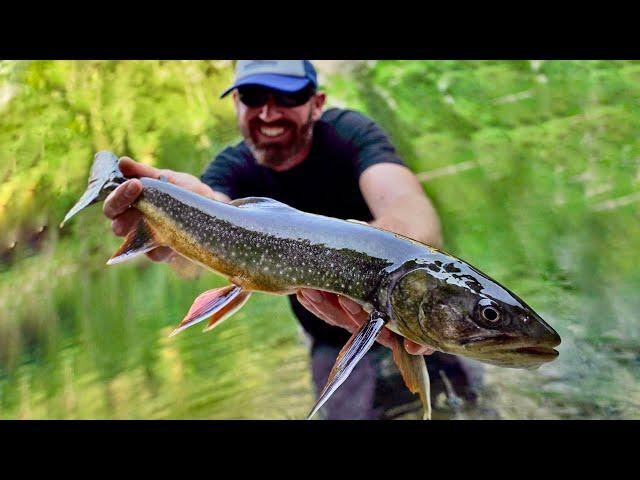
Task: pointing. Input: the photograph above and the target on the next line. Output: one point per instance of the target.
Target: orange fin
(353, 351)
(414, 373)
(227, 310)
(140, 240)
(219, 303)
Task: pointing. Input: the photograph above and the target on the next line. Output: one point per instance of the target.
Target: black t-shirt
(345, 144)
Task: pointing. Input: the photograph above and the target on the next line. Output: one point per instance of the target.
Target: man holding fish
(332, 162)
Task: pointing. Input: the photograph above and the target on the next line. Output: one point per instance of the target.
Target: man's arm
(398, 203)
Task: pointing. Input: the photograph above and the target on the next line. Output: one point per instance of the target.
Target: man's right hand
(123, 219)
(345, 313)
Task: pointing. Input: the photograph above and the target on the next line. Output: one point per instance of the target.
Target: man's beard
(274, 155)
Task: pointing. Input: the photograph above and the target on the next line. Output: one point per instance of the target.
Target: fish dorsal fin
(260, 202)
(358, 221)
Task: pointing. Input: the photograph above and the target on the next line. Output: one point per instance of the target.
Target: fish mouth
(528, 357)
(538, 351)
(507, 351)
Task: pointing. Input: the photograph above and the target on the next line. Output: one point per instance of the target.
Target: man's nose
(270, 111)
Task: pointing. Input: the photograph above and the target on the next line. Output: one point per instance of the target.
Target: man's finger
(131, 168)
(312, 295)
(123, 223)
(309, 305)
(321, 309)
(344, 319)
(119, 200)
(325, 309)
(416, 349)
(349, 305)
(160, 254)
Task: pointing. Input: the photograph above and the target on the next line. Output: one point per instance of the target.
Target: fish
(259, 244)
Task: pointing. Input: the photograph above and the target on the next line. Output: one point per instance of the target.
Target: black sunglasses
(254, 97)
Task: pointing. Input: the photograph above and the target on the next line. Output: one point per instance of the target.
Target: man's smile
(271, 132)
(268, 134)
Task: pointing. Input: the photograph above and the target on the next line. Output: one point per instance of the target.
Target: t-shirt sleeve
(224, 172)
(371, 143)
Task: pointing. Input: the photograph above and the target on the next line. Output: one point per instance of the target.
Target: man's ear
(234, 95)
(317, 103)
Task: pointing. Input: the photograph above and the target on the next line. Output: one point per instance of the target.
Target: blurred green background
(534, 167)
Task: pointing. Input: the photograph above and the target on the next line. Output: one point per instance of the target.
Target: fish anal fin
(140, 240)
(219, 303)
(356, 348)
(414, 373)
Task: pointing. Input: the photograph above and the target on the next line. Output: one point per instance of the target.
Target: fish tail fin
(105, 177)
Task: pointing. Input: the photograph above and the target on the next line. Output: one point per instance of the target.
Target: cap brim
(283, 83)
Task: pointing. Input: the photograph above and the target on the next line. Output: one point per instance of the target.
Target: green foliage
(78, 340)
(60, 113)
(534, 168)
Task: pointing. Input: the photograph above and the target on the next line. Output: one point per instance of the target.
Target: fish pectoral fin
(414, 373)
(353, 351)
(141, 239)
(219, 304)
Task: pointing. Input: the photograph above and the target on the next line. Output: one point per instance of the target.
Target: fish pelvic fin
(141, 239)
(219, 304)
(414, 373)
(353, 351)
(105, 177)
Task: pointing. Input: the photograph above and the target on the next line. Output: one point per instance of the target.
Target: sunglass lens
(294, 99)
(253, 97)
(258, 97)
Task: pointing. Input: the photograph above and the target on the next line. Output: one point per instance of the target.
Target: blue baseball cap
(283, 75)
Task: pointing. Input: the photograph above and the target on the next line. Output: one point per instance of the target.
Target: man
(336, 163)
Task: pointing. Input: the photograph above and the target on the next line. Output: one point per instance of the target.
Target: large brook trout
(261, 245)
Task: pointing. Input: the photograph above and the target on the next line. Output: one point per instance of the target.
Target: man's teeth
(271, 131)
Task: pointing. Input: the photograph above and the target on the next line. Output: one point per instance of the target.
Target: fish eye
(489, 311)
(490, 314)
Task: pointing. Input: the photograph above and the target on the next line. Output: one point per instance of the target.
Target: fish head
(457, 309)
